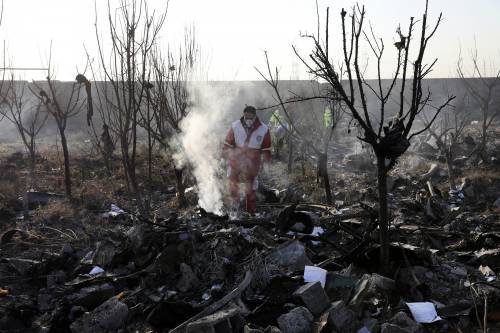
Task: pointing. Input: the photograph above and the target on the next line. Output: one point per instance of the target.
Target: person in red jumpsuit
(247, 142)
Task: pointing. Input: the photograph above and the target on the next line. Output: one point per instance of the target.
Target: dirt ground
(92, 263)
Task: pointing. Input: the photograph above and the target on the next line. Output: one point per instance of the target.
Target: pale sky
(234, 33)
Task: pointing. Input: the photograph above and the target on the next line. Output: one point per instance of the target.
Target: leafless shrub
(54, 211)
(482, 90)
(133, 31)
(389, 139)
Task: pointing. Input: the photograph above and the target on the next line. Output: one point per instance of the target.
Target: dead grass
(95, 194)
(306, 182)
(54, 211)
(263, 269)
(8, 191)
(482, 174)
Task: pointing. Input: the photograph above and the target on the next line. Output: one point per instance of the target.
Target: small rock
(313, 296)
(364, 329)
(67, 250)
(497, 203)
(299, 320)
(137, 236)
(291, 256)
(104, 254)
(402, 320)
(391, 328)
(92, 296)
(188, 280)
(370, 286)
(382, 282)
(342, 318)
(44, 301)
(76, 312)
(55, 279)
(459, 271)
(469, 191)
(109, 316)
(370, 324)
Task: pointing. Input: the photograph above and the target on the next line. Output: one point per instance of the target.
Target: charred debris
(94, 265)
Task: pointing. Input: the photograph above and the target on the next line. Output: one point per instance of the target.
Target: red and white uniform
(243, 148)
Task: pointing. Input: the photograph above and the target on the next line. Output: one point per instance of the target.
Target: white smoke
(200, 143)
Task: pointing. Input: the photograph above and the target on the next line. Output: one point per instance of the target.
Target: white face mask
(249, 122)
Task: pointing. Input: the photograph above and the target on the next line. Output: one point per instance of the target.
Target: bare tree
(311, 127)
(448, 133)
(133, 32)
(103, 141)
(19, 108)
(62, 102)
(170, 98)
(2, 80)
(388, 139)
(335, 110)
(482, 89)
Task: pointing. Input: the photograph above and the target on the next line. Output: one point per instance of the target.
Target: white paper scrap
(313, 274)
(115, 210)
(423, 312)
(364, 330)
(318, 231)
(96, 270)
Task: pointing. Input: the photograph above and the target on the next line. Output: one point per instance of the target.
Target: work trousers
(248, 172)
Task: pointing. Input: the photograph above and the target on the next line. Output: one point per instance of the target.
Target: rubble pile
(295, 267)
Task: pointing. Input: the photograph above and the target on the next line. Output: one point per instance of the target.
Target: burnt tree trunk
(277, 148)
(128, 163)
(451, 172)
(67, 172)
(482, 148)
(125, 163)
(179, 186)
(383, 217)
(290, 155)
(32, 153)
(133, 156)
(323, 174)
(133, 178)
(107, 164)
(303, 158)
(150, 158)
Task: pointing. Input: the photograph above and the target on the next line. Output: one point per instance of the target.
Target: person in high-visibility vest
(275, 120)
(247, 142)
(328, 118)
(278, 130)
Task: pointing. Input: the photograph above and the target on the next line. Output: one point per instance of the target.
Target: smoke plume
(200, 143)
